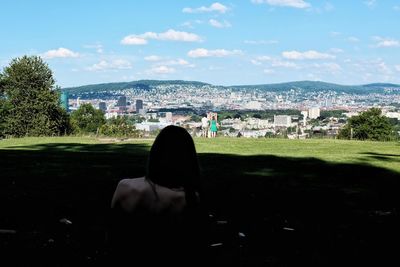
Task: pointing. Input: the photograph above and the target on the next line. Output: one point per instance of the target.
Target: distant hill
(276, 87)
(141, 84)
(322, 86)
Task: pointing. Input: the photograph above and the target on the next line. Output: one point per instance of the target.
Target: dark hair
(173, 162)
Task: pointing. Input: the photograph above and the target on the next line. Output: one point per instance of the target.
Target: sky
(219, 42)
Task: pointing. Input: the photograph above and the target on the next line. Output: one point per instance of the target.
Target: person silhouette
(159, 218)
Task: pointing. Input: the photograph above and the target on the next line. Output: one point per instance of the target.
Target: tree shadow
(382, 156)
(268, 210)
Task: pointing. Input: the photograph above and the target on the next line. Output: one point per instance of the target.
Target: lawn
(314, 202)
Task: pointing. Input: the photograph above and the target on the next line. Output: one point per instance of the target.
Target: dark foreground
(266, 210)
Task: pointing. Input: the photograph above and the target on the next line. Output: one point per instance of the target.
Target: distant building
(313, 113)
(139, 105)
(393, 115)
(282, 120)
(64, 100)
(253, 105)
(121, 102)
(305, 116)
(168, 116)
(103, 106)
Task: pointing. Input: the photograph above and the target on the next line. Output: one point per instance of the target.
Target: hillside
(276, 87)
(141, 84)
(322, 86)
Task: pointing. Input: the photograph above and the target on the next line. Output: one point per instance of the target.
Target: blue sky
(220, 42)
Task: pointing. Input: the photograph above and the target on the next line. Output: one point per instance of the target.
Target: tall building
(103, 106)
(282, 120)
(305, 115)
(64, 100)
(139, 105)
(121, 102)
(313, 113)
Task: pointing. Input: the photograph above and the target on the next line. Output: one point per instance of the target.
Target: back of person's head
(173, 160)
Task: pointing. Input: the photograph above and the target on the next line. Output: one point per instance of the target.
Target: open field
(314, 202)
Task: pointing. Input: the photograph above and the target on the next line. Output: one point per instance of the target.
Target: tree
(29, 100)
(120, 126)
(369, 125)
(87, 119)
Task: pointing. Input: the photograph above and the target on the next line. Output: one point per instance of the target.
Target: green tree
(87, 119)
(369, 125)
(120, 126)
(30, 102)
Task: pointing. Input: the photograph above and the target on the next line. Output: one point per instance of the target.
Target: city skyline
(218, 42)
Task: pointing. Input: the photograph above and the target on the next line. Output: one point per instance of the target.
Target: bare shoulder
(128, 192)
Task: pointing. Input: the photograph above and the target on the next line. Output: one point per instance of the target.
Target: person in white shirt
(205, 126)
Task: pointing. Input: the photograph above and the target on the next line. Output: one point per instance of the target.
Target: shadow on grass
(273, 211)
(383, 156)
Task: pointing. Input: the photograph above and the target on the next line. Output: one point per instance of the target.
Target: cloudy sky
(224, 42)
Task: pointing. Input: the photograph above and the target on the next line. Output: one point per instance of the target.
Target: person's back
(157, 218)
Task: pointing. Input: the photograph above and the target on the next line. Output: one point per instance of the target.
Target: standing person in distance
(213, 125)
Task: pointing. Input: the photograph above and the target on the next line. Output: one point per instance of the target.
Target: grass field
(339, 199)
(380, 154)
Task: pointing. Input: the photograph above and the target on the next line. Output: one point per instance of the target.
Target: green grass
(380, 154)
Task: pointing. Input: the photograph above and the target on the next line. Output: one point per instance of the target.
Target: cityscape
(167, 103)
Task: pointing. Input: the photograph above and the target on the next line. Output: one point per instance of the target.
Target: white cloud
(386, 42)
(217, 7)
(170, 35)
(98, 47)
(260, 42)
(331, 67)
(255, 62)
(104, 65)
(383, 68)
(161, 70)
(370, 3)
(353, 39)
(264, 58)
(260, 59)
(177, 62)
(287, 3)
(397, 67)
(311, 54)
(153, 58)
(336, 50)
(190, 24)
(133, 40)
(335, 34)
(59, 53)
(217, 24)
(269, 71)
(202, 52)
(284, 64)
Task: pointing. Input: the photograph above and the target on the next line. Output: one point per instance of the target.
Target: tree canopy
(369, 125)
(29, 100)
(87, 119)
